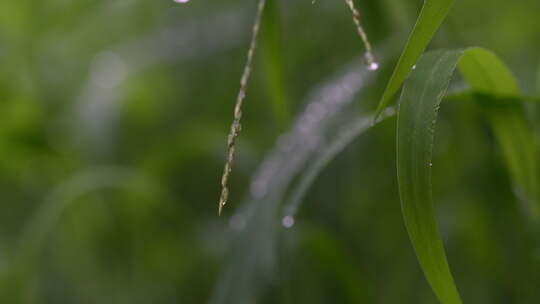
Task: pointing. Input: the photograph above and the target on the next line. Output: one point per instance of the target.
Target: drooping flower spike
(236, 124)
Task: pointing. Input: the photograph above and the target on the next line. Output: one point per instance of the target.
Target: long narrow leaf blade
(418, 108)
(486, 74)
(273, 63)
(516, 141)
(431, 17)
(417, 115)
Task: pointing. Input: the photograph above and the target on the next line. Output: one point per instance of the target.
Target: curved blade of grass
(327, 153)
(516, 140)
(486, 74)
(431, 17)
(252, 261)
(417, 114)
(272, 62)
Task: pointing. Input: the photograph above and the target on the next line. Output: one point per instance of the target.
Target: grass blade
(272, 63)
(417, 114)
(487, 75)
(516, 140)
(431, 17)
(345, 137)
(252, 252)
(538, 80)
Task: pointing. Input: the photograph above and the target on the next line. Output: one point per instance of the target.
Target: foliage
(113, 132)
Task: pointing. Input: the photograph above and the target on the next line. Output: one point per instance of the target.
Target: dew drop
(373, 66)
(287, 221)
(431, 164)
(414, 67)
(181, 1)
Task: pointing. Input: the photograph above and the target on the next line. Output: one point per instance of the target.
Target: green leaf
(417, 115)
(272, 62)
(485, 73)
(538, 80)
(431, 17)
(516, 140)
(498, 91)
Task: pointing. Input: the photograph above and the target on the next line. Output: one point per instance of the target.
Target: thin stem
(362, 33)
(236, 125)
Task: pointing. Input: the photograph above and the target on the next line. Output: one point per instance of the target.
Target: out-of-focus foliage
(113, 124)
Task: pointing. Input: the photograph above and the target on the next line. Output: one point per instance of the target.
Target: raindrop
(373, 66)
(181, 1)
(287, 221)
(414, 67)
(431, 164)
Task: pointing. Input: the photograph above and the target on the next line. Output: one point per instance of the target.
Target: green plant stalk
(430, 19)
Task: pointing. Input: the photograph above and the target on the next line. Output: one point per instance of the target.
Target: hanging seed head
(236, 126)
(370, 59)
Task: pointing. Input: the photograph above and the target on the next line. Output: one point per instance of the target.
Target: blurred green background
(113, 125)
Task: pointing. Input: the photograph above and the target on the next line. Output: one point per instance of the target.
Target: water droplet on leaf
(373, 66)
(287, 221)
(181, 1)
